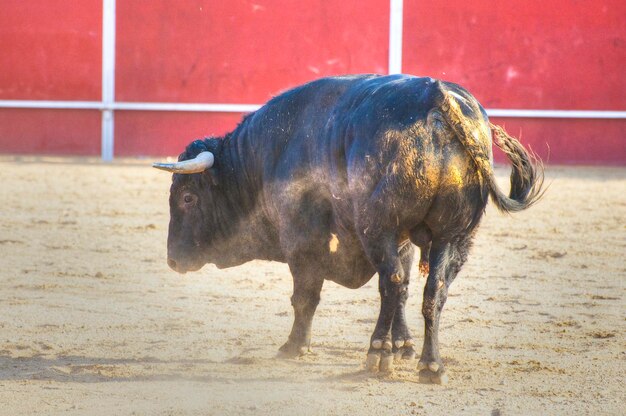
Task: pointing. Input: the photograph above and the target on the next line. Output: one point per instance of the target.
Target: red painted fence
(519, 54)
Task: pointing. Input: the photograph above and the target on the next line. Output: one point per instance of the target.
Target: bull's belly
(353, 277)
(346, 263)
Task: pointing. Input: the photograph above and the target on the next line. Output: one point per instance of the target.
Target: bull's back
(304, 124)
(339, 144)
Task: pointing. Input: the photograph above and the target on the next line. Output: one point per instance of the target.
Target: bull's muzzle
(174, 266)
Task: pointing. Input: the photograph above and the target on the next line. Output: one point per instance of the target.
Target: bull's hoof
(372, 362)
(292, 350)
(379, 362)
(403, 349)
(404, 353)
(379, 357)
(432, 373)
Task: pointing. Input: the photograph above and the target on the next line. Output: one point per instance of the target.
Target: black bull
(337, 178)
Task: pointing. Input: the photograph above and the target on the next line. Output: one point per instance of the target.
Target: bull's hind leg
(445, 262)
(400, 334)
(386, 256)
(402, 340)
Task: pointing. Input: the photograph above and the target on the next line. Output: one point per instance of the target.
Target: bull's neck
(246, 234)
(238, 173)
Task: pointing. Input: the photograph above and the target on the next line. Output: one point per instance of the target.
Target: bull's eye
(188, 198)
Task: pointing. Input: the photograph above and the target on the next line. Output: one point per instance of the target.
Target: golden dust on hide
(415, 168)
(454, 177)
(333, 244)
(429, 179)
(474, 135)
(456, 172)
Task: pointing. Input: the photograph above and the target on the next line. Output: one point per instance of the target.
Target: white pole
(206, 107)
(580, 114)
(247, 108)
(395, 36)
(108, 78)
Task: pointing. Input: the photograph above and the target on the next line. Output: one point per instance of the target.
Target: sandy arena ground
(92, 321)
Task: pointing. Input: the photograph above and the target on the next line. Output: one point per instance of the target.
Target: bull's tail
(527, 173)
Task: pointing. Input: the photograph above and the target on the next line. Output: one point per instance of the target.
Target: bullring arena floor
(92, 321)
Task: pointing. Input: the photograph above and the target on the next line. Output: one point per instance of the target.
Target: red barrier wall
(563, 54)
(50, 50)
(559, 54)
(47, 131)
(531, 54)
(233, 52)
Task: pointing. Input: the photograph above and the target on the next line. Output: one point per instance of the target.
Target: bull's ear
(212, 176)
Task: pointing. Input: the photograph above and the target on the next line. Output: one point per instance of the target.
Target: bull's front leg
(307, 286)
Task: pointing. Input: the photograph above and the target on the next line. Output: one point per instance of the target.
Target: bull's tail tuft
(527, 173)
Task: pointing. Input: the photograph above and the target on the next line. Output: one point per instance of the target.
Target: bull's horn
(200, 163)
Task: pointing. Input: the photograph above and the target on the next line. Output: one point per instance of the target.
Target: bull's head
(189, 233)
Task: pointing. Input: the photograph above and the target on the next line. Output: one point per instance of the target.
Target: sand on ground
(92, 321)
